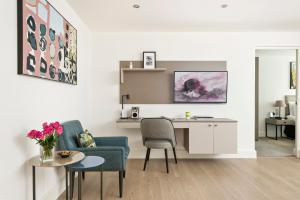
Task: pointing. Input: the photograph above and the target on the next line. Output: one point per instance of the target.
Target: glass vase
(46, 154)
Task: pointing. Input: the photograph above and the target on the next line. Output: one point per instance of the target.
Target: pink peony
(39, 135)
(59, 130)
(55, 125)
(45, 125)
(34, 134)
(31, 134)
(48, 130)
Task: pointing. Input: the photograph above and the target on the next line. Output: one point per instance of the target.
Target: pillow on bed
(292, 108)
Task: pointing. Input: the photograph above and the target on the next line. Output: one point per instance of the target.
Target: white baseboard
(183, 154)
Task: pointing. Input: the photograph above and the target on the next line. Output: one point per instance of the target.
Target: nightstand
(276, 123)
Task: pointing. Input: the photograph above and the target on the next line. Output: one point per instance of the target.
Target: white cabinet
(225, 138)
(212, 138)
(201, 138)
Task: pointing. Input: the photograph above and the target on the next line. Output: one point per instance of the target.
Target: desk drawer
(181, 125)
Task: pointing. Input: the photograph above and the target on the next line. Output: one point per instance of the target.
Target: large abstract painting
(200, 87)
(47, 42)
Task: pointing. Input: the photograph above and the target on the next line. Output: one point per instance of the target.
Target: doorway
(275, 102)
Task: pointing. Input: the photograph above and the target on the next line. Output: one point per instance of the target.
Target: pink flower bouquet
(47, 138)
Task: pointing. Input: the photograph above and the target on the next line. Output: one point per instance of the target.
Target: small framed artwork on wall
(293, 76)
(149, 58)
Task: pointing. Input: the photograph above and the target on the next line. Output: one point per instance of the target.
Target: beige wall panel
(157, 87)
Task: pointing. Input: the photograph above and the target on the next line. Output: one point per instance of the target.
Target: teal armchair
(114, 150)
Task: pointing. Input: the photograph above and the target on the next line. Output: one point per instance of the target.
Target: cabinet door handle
(209, 125)
(216, 125)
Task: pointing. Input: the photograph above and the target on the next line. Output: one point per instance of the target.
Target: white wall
(274, 82)
(26, 102)
(238, 49)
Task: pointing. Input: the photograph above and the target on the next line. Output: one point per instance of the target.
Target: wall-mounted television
(200, 86)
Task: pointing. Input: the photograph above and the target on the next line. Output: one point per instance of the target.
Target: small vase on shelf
(131, 65)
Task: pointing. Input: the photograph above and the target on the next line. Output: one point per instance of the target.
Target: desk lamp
(123, 112)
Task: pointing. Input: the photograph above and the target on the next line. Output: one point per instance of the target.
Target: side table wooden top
(75, 157)
(280, 121)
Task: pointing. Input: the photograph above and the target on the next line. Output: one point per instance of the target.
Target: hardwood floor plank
(204, 179)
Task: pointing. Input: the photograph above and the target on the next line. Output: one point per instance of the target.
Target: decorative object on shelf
(135, 112)
(279, 104)
(200, 86)
(188, 115)
(149, 59)
(47, 43)
(131, 65)
(293, 75)
(124, 114)
(47, 139)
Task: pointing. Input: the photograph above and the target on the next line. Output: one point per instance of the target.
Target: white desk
(201, 136)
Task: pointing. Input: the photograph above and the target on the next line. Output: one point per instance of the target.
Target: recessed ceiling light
(224, 5)
(136, 6)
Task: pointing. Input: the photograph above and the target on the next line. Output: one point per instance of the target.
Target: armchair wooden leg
(121, 183)
(83, 175)
(147, 158)
(175, 155)
(166, 156)
(124, 173)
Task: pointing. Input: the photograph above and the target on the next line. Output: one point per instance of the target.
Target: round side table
(75, 157)
(82, 166)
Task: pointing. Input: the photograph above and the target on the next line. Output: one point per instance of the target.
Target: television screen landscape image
(200, 86)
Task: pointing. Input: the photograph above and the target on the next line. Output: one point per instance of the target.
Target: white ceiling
(189, 15)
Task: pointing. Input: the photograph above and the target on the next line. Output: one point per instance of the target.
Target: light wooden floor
(222, 179)
(274, 148)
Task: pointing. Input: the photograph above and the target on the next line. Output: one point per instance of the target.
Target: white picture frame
(149, 59)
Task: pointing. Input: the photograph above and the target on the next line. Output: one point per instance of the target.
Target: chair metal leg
(33, 183)
(67, 183)
(79, 185)
(167, 164)
(121, 183)
(149, 154)
(72, 180)
(101, 184)
(147, 158)
(175, 155)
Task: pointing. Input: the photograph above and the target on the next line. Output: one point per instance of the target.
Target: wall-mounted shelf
(123, 70)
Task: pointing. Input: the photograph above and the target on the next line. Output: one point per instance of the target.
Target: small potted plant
(47, 139)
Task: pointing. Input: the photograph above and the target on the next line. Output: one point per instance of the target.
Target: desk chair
(158, 133)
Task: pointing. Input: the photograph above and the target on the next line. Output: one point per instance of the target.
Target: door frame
(297, 128)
